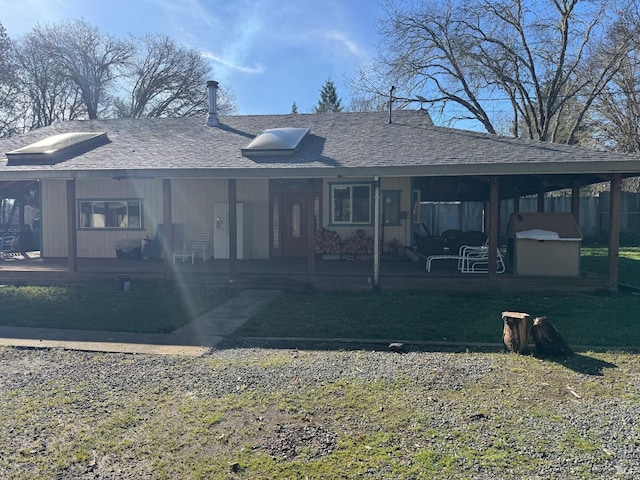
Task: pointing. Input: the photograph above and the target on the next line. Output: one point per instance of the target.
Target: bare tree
(8, 89)
(532, 57)
(89, 58)
(48, 95)
(618, 107)
(167, 80)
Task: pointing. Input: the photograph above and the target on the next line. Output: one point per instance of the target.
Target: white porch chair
(471, 259)
(198, 248)
(8, 246)
(476, 260)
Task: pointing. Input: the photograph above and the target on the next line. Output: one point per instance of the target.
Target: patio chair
(475, 259)
(8, 246)
(198, 249)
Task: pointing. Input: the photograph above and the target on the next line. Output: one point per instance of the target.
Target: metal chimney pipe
(212, 118)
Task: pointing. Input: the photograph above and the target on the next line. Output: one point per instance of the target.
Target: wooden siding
(54, 218)
(192, 210)
(400, 232)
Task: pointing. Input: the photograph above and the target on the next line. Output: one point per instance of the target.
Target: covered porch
(288, 274)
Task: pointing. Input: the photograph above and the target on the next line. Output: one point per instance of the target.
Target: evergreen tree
(329, 101)
(294, 108)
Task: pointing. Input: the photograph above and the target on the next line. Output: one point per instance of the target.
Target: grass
(602, 319)
(150, 307)
(596, 260)
(590, 319)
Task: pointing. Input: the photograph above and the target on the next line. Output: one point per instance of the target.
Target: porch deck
(291, 274)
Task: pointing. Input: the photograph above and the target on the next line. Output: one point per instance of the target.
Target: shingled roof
(338, 144)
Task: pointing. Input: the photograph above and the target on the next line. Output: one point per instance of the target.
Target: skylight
(276, 141)
(56, 148)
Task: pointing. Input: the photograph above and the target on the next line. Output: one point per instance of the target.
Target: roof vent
(276, 141)
(56, 148)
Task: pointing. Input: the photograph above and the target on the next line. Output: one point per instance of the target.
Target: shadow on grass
(581, 364)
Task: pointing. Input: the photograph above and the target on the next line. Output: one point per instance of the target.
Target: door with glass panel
(293, 224)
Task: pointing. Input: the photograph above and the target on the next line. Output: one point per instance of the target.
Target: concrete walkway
(194, 339)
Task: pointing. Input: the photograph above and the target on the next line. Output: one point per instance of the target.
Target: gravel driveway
(252, 412)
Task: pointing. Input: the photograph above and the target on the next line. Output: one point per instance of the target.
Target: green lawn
(595, 260)
(153, 307)
(602, 319)
(590, 319)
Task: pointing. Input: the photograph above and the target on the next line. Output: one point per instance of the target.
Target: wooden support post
(72, 241)
(311, 231)
(515, 331)
(516, 204)
(376, 233)
(575, 200)
(614, 229)
(233, 229)
(494, 220)
(167, 226)
(541, 198)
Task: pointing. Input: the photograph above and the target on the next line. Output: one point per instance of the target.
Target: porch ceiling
(476, 188)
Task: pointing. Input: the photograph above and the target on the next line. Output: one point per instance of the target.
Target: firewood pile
(328, 242)
(359, 244)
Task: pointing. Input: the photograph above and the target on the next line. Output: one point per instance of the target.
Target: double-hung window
(112, 214)
(351, 204)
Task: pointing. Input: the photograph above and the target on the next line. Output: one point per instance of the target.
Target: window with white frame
(350, 203)
(119, 214)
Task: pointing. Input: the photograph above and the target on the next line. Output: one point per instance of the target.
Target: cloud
(255, 69)
(344, 40)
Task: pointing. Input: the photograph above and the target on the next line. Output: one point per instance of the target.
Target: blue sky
(270, 53)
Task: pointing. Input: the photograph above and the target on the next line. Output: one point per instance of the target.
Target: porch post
(575, 200)
(23, 243)
(516, 203)
(167, 224)
(614, 229)
(494, 218)
(233, 229)
(72, 241)
(541, 198)
(376, 232)
(311, 231)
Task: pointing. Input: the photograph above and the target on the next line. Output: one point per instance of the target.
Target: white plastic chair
(476, 260)
(8, 246)
(198, 249)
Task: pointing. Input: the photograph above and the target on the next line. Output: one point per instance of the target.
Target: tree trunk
(514, 333)
(547, 339)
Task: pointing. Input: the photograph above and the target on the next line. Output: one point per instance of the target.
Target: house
(262, 186)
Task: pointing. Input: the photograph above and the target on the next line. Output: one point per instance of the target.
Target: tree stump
(514, 333)
(547, 339)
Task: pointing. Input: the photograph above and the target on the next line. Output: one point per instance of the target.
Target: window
(125, 214)
(350, 204)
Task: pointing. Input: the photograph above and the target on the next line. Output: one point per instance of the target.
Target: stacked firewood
(328, 242)
(361, 244)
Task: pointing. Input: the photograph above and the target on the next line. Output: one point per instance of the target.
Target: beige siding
(54, 218)
(401, 232)
(192, 201)
(101, 243)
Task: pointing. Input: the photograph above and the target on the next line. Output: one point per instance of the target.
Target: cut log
(547, 339)
(514, 332)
